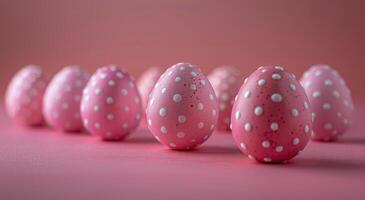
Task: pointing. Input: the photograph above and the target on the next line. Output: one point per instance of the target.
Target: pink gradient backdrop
(138, 34)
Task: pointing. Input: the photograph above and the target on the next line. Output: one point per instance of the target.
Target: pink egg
(110, 105)
(61, 102)
(182, 110)
(146, 83)
(24, 95)
(271, 117)
(330, 100)
(226, 82)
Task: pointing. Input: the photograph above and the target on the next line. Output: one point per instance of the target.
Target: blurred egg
(145, 85)
(24, 95)
(271, 117)
(182, 109)
(330, 100)
(61, 103)
(110, 105)
(226, 82)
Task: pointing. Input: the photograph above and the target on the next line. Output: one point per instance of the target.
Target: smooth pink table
(40, 164)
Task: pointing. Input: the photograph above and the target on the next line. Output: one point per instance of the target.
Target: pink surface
(43, 164)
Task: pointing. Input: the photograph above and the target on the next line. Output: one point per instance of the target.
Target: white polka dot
(126, 109)
(163, 129)
(294, 112)
(111, 82)
(109, 100)
(316, 94)
(276, 97)
(250, 157)
(163, 112)
(96, 108)
(292, 87)
(276, 76)
(200, 106)
(211, 97)
(211, 128)
(259, 110)
(274, 126)
(181, 118)
(214, 112)
(243, 145)
(169, 74)
(193, 73)
(119, 75)
(306, 106)
(177, 98)
(178, 79)
(124, 92)
(279, 148)
(318, 73)
(307, 84)
(180, 134)
(306, 128)
(248, 127)
(265, 144)
(182, 68)
(110, 116)
(247, 94)
(336, 94)
(124, 125)
(97, 125)
(238, 115)
(296, 141)
(131, 84)
(328, 126)
(202, 82)
(279, 68)
(261, 82)
(163, 90)
(200, 125)
(328, 82)
(172, 144)
(193, 87)
(326, 106)
(225, 97)
(97, 91)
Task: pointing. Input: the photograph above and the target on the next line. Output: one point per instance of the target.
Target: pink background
(41, 163)
(138, 34)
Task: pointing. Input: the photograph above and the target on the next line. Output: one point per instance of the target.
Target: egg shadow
(216, 150)
(327, 165)
(354, 141)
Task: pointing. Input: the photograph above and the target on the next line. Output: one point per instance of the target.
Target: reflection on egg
(330, 100)
(110, 105)
(24, 95)
(182, 110)
(271, 117)
(226, 82)
(61, 103)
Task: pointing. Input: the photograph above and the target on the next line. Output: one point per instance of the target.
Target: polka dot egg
(111, 105)
(271, 117)
(24, 95)
(226, 83)
(145, 85)
(182, 110)
(61, 103)
(331, 102)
